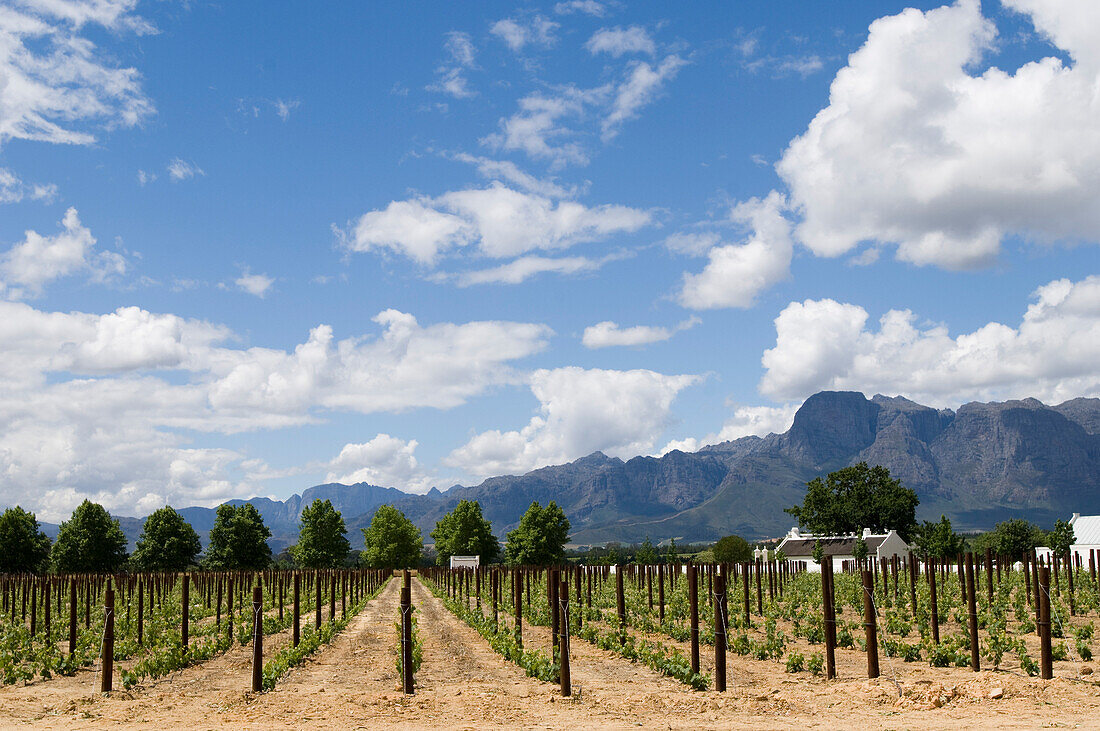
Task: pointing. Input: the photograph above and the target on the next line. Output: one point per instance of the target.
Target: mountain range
(977, 465)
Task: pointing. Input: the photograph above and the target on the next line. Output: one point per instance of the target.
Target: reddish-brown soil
(353, 683)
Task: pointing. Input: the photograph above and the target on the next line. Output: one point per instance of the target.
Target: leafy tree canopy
(818, 553)
(89, 541)
(857, 497)
(24, 548)
(392, 540)
(465, 532)
(1061, 538)
(646, 553)
(238, 539)
(672, 555)
(322, 537)
(1011, 538)
(938, 540)
(539, 540)
(732, 549)
(167, 542)
(859, 548)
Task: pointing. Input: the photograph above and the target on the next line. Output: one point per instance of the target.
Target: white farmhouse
(1086, 538)
(799, 547)
(465, 562)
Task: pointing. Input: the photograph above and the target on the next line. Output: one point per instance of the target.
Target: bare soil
(462, 684)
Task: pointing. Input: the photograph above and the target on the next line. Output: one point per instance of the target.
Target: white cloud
(284, 107)
(642, 85)
(37, 260)
(13, 190)
(145, 178)
(618, 41)
(500, 221)
(508, 172)
(537, 128)
(746, 421)
(621, 413)
(588, 7)
(92, 405)
(693, 243)
(915, 149)
(182, 170)
(608, 334)
(525, 267)
(254, 284)
(736, 274)
(451, 76)
(1051, 354)
(385, 461)
(517, 34)
(54, 84)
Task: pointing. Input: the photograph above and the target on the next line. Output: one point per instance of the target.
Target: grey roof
(833, 546)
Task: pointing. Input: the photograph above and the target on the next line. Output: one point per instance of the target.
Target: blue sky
(246, 248)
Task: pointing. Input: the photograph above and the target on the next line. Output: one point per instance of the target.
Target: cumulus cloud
(29, 265)
(385, 461)
(525, 267)
(746, 421)
(13, 190)
(506, 171)
(91, 400)
(608, 334)
(517, 34)
(451, 76)
(618, 41)
(1050, 354)
(736, 274)
(539, 130)
(55, 85)
(919, 150)
(257, 285)
(499, 221)
(182, 170)
(549, 126)
(621, 413)
(588, 7)
(642, 85)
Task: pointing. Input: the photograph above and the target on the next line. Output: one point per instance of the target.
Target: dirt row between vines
(353, 683)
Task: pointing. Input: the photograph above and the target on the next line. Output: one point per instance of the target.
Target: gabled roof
(1086, 529)
(832, 545)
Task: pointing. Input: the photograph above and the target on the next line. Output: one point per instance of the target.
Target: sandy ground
(463, 684)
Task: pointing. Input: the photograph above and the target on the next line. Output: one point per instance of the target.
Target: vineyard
(993, 642)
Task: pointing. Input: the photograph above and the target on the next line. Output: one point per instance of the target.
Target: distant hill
(978, 465)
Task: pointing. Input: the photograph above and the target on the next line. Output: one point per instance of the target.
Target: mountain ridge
(978, 464)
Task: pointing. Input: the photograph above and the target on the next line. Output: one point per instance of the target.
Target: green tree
(938, 540)
(1012, 538)
(24, 548)
(90, 541)
(818, 553)
(322, 537)
(392, 541)
(646, 553)
(732, 549)
(465, 532)
(859, 548)
(857, 497)
(238, 539)
(672, 555)
(167, 542)
(539, 540)
(1061, 538)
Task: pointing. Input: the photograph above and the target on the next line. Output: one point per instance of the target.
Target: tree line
(92, 541)
(843, 502)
